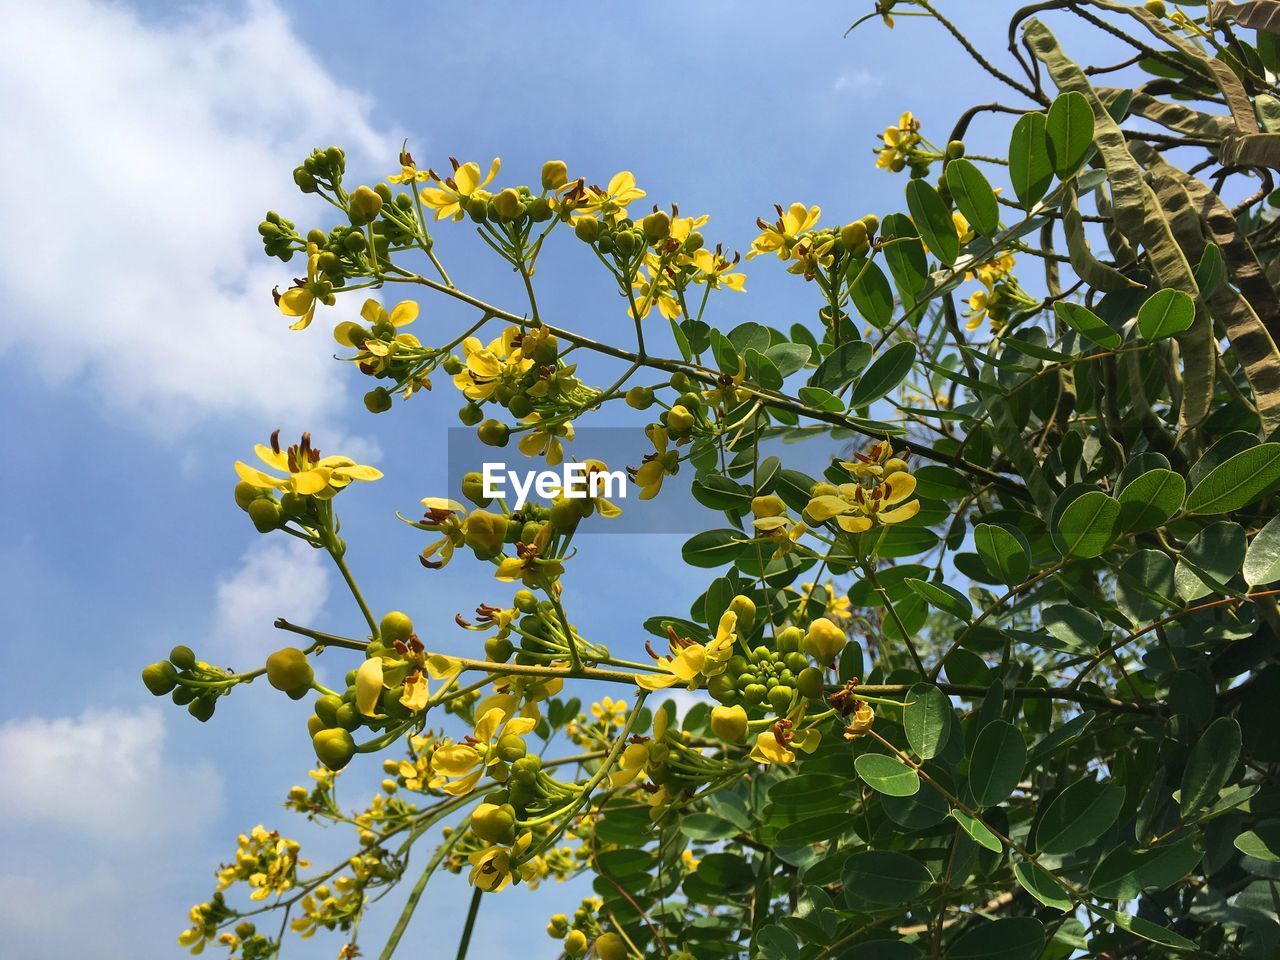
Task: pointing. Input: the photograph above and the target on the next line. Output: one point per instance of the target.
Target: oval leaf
(995, 767)
(1166, 312)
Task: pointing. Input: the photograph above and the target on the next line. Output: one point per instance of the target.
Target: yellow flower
(713, 270)
(308, 473)
(612, 712)
(861, 721)
(653, 287)
(857, 508)
(610, 202)
(529, 564)
(689, 660)
(839, 606)
(466, 762)
(300, 300)
(783, 532)
(657, 465)
(447, 517)
(994, 270)
(775, 745)
(689, 860)
(963, 230)
(491, 868)
(780, 236)
(878, 461)
(488, 367)
(447, 199)
(899, 141)
(545, 439)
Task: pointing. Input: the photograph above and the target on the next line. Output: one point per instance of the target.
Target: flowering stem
(355, 590)
(416, 893)
(470, 924)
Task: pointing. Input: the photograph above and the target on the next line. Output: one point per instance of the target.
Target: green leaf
(872, 294)
(1145, 929)
(973, 196)
(1042, 885)
(1238, 481)
(1262, 842)
(977, 830)
(888, 370)
(720, 493)
(945, 598)
(841, 366)
(713, 548)
(1210, 560)
(933, 220)
(885, 878)
(1004, 551)
(926, 718)
(788, 357)
(1076, 629)
(1149, 500)
(1070, 129)
(995, 766)
(1013, 938)
(1125, 873)
(1262, 559)
(725, 871)
(1030, 165)
(1087, 323)
(910, 269)
(1088, 524)
(1166, 313)
(1078, 816)
(821, 398)
(887, 775)
(1209, 765)
(934, 482)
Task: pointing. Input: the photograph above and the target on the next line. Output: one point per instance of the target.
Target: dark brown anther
(275, 440)
(648, 648)
(430, 564)
(456, 164)
(843, 700)
(464, 624)
(275, 295)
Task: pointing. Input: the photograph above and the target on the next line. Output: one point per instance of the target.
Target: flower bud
(245, 494)
(265, 514)
(486, 533)
(824, 640)
(1156, 8)
(872, 223)
(288, 670)
(575, 944)
(378, 400)
(679, 420)
(789, 640)
(768, 505)
(202, 708)
(809, 683)
(368, 686)
(729, 723)
(160, 678)
(182, 657)
(305, 181)
(955, 149)
(554, 175)
(363, 206)
(639, 398)
(493, 824)
(586, 229)
(395, 626)
(853, 235)
(494, 433)
(334, 748)
(656, 226)
(610, 946)
(745, 608)
(508, 204)
(558, 926)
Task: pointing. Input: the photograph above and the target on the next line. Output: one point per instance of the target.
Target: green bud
(745, 608)
(853, 235)
(555, 174)
(378, 400)
(610, 946)
(789, 640)
(587, 229)
(809, 683)
(729, 723)
(182, 657)
(525, 601)
(507, 204)
(656, 226)
(363, 206)
(1156, 8)
(265, 515)
(639, 398)
(499, 649)
(160, 678)
(246, 493)
(824, 640)
(326, 708)
(955, 149)
(202, 708)
(511, 747)
(494, 433)
(679, 420)
(780, 698)
(288, 670)
(486, 533)
(473, 489)
(334, 748)
(395, 626)
(493, 824)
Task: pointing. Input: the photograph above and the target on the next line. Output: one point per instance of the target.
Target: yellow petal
(854, 524)
(824, 508)
(489, 723)
(311, 482)
(899, 486)
(404, 313)
(368, 685)
(296, 301)
(655, 681)
(257, 478)
(898, 514)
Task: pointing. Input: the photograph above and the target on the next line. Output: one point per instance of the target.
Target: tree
(1056, 539)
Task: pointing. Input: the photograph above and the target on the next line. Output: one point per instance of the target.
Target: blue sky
(141, 356)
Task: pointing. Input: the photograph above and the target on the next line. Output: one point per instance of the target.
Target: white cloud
(103, 775)
(140, 156)
(857, 81)
(276, 579)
